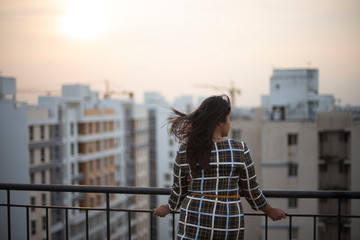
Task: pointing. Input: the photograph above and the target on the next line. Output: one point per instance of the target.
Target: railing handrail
(166, 191)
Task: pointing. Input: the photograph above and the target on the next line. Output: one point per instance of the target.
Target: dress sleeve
(249, 187)
(179, 188)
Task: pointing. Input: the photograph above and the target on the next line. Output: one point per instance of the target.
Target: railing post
(339, 218)
(108, 216)
(129, 224)
(27, 224)
(173, 225)
(266, 227)
(290, 227)
(8, 214)
(87, 223)
(67, 223)
(315, 227)
(151, 225)
(47, 222)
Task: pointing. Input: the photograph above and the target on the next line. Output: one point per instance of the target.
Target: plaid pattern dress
(210, 206)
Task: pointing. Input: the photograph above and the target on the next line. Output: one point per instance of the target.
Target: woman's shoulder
(182, 148)
(237, 144)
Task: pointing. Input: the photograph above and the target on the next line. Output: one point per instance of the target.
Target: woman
(210, 174)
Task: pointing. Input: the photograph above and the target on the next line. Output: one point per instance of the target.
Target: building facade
(14, 163)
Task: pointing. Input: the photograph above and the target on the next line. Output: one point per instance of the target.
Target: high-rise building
(45, 167)
(101, 147)
(14, 163)
(294, 95)
(162, 153)
(309, 146)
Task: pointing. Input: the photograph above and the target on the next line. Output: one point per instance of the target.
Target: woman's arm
(179, 187)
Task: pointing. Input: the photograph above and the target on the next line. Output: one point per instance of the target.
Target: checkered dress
(206, 210)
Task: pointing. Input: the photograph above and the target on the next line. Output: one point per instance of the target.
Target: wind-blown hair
(196, 129)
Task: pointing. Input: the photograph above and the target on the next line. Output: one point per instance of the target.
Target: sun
(84, 19)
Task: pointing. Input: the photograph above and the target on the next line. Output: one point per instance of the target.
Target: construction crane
(109, 92)
(37, 91)
(232, 91)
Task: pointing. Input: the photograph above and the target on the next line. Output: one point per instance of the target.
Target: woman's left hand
(162, 210)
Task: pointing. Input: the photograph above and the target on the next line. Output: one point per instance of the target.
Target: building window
(90, 147)
(343, 137)
(31, 133)
(343, 167)
(33, 203)
(98, 164)
(90, 127)
(105, 162)
(292, 169)
(92, 202)
(91, 165)
(43, 199)
(111, 126)
(72, 147)
(323, 167)
(42, 155)
(171, 154)
(292, 203)
(105, 180)
(33, 227)
(236, 134)
(97, 127)
(71, 129)
(72, 168)
(98, 199)
(98, 181)
(57, 152)
(42, 132)
(292, 139)
(32, 178)
(91, 181)
(57, 131)
(43, 177)
(44, 223)
(98, 145)
(31, 156)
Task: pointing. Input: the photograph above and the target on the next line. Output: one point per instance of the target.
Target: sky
(179, 47)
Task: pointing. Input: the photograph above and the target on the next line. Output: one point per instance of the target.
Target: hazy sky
(171, 46)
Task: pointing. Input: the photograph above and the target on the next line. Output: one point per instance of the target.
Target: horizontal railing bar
(150, 211)
(166, 191)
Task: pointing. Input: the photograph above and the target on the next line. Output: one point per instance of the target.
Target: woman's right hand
(274, 213)
(162, 210)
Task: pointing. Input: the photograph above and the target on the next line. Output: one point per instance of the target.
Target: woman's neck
(218, 139)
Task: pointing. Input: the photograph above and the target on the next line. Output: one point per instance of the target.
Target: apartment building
(91, 136)
(162, 153)
(45, 167)
(294, 95)
(140, 151)
(309, 147)
(14, 155)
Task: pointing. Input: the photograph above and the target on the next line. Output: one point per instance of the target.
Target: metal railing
(8, 187)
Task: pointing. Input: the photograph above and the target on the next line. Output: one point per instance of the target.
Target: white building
(294, 95)
(163, 150)
(95, 139)
(14, 160)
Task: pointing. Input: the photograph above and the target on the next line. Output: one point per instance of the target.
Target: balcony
(341, 221)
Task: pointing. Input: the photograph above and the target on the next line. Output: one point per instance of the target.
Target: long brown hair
(196, 129)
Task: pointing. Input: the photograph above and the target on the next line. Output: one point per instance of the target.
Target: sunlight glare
(84, 19)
